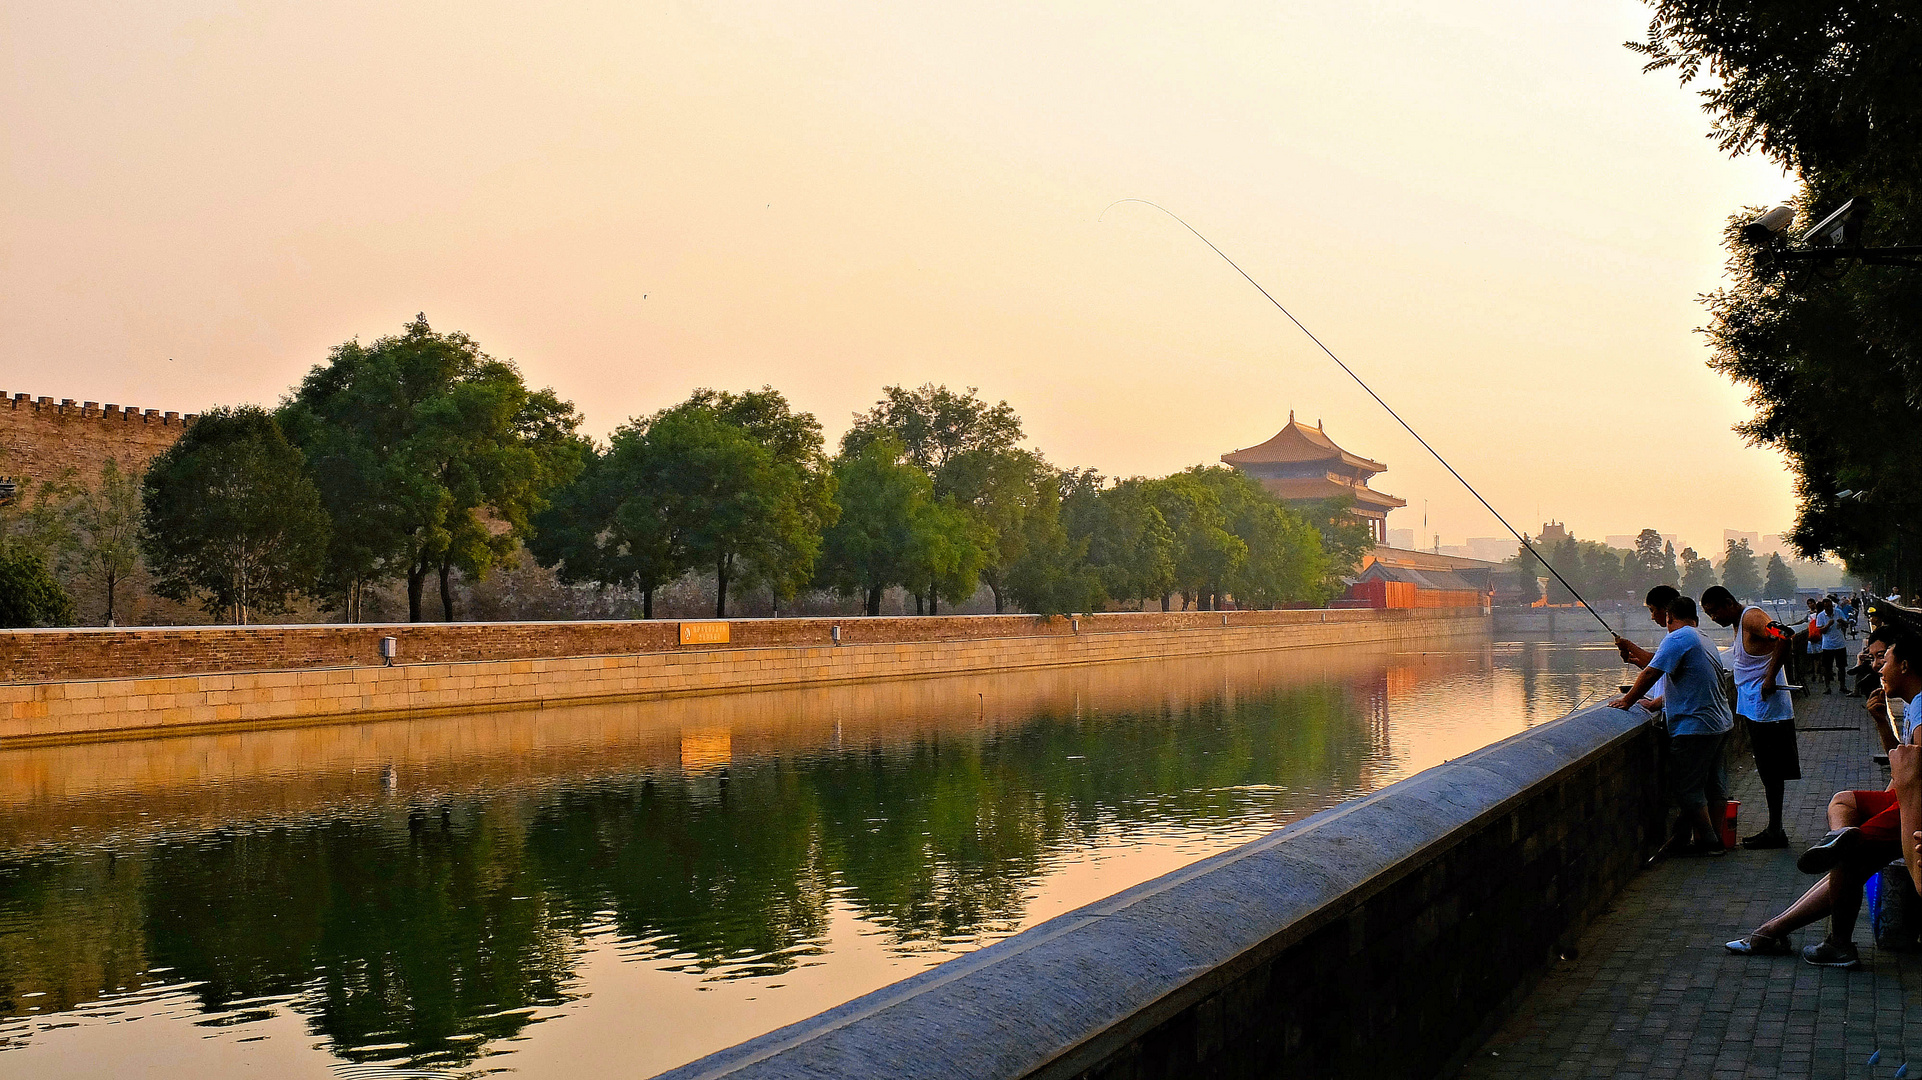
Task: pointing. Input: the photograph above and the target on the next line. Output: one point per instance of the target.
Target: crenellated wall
(44, 439)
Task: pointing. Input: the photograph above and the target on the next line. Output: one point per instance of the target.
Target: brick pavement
(1650, 991)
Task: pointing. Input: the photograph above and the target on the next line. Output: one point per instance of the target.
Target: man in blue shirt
(1834, 648)
(1699, 720)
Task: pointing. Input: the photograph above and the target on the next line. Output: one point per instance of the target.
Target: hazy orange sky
(1485, 207)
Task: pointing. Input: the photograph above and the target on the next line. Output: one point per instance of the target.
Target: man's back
(1692, 668)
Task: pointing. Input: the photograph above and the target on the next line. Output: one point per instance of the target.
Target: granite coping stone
(1117, 967)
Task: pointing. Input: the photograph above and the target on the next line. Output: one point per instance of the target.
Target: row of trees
(930, 491)
(1616, 576)
(1831, 355)
(419, 458)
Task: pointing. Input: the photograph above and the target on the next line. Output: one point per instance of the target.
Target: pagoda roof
(1321, 487)
(1300, 443)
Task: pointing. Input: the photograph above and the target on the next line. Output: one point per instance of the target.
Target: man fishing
(1762, 696)
(1699, 720)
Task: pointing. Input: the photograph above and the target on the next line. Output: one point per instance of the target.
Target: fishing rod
(1371, 393)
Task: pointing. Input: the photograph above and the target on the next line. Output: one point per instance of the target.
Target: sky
(1484, 207)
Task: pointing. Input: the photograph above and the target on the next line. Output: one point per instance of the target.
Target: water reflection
(666, 878)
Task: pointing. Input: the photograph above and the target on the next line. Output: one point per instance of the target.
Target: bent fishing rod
(1378, 400)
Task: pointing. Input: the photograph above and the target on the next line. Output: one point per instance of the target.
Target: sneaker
(1767, 838)
(1826, 852)
(1826, 953)
(1758, 945)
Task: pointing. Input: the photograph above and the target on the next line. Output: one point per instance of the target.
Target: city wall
(73, 684)
(1383, 937)
(43, 439)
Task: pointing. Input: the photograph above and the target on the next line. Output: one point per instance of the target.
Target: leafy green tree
(1284, 560)
(1129, 544)
(29, 594)
(1780, 583)
(605, 526)
(1567, 558)
(430, 455)
(885, 502)
(1345, 539)
(969, 450)
(950, 547)
(106, 526)
(1206, 554)
(1671, 570)
(1828, 91)
(232, 517)
(742, 481)
(1051, 575)
(1739, 574)
(1651, 566)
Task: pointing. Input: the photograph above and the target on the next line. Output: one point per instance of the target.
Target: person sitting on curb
(1864, 832)
(1699, 720)
(1757, 658)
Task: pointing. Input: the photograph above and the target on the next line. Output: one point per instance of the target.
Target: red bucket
(1728, 823)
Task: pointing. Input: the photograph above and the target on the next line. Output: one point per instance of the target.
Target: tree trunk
(1164, 600)
(920, 604)
(934, 599)
(720, 588)
(874, 601)
(647, 602)
(446, 594)
(996, 590)
(110, 584)
(416, 582)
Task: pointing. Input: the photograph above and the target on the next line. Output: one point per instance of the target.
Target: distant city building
(1492, 548)
(1302, 464)
(1754, 538)
(1402, 538)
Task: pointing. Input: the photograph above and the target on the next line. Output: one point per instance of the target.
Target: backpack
(1895, 912)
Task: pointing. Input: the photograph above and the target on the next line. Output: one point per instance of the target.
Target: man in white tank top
(1756, 658)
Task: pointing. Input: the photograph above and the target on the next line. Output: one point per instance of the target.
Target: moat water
(621, 889)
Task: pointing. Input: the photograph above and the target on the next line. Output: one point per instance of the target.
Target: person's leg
(1772, 790)
(1842, 811)
(1813, 905)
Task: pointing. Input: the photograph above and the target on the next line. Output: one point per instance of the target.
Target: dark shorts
(1773, 742)
(1695, 773)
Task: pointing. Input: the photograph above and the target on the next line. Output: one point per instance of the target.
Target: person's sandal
(1759, 945)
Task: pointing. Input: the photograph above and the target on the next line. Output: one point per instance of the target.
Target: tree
(1284, 561)
(1697, 573)
(885, 503)
(1129, 544)
(1567, 558)
(606, 525)
(1345, 539)
(430, 455)
(1527, 581)
(1206, 554)
(969, 450)
(1671, 570)
(1651, 565)
(29, 595)
(1780, 583)
(1051, 575)
(1739, 575)
(106, 525)
(741, 480)
(232, 517)
(1829, 91)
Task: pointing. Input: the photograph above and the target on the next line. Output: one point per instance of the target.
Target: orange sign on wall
(704, 633)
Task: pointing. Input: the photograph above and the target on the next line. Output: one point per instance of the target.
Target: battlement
(93, 410)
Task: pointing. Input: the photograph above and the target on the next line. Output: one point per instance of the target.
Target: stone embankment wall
(103, 683)
(1383, 937)
(44, 439)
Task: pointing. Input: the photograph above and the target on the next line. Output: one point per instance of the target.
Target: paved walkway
(1652, 993)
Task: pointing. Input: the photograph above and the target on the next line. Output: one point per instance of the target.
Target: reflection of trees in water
(423, 934)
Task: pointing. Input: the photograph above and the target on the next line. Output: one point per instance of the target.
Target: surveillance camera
(1770, 225)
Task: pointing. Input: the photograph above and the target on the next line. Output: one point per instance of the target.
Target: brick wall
(44, 439)
(277, 676)
(102, 653)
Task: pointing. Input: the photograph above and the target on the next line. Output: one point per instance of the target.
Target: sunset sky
(1485, 207)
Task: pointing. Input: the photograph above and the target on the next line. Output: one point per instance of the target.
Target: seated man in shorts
(1864, 827)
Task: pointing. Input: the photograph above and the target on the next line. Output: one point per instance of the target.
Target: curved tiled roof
(1296, 443)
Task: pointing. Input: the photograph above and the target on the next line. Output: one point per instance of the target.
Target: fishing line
(1371, 393)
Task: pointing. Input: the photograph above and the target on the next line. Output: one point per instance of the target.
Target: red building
(1301, 464)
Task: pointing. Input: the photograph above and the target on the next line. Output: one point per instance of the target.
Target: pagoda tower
(1301, 464)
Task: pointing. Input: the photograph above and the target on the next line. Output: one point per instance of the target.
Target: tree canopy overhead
(1832, 359)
